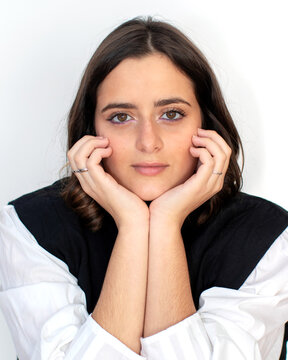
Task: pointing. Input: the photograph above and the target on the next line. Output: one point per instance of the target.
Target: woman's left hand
(213, 155)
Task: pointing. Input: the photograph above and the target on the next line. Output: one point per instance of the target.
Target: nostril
(148, 144)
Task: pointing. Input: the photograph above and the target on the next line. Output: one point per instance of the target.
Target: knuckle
(94, 157)
(87, 137)
(212, 132)
(89, 163)
(219, 187)
(77, 159)
(223, 157)
(86, 189)
(211, 162)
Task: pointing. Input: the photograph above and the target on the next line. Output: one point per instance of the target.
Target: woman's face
(147, 108)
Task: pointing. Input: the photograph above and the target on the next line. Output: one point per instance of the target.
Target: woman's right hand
(123, 205)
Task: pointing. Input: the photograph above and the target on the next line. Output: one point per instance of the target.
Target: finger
(95, 179)
(212, 146)
(82, 141)
(220, 157)
(209, 181)
(96, 157)
(213, 135)
(93, 166)
(206, 160)
(85, 150)
(87, 144)
(214, 169)
(81, 151)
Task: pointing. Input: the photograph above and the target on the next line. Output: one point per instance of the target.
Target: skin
(147, 135)
(146, 287)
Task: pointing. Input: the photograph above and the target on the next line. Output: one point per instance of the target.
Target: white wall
(45, 46)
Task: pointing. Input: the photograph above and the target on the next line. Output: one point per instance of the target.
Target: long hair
(137, 38)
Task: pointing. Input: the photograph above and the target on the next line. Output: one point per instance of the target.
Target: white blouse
(45, 310)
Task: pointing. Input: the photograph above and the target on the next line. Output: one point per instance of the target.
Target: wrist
(132, 217)
(134, 224)
(166, 218)
(161, 223)
(169, 212)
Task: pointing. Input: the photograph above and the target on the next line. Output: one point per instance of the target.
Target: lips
(149, 169)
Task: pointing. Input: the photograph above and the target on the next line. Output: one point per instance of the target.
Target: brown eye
(171, 114)
(121, 117)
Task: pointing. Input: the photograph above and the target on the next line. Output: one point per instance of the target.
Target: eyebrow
(162, 102)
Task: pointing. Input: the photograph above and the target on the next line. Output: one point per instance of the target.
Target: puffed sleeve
(243, 324)
(44, 307)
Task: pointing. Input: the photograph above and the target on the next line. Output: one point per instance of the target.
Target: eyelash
(177, 111)
(111, 117)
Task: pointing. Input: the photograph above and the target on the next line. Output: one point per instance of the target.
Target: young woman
(149, 234)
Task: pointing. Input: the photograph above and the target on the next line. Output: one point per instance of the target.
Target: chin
(149, 194)
(147, 198)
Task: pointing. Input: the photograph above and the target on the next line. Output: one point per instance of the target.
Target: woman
(150, 234)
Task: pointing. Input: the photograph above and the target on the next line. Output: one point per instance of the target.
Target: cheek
(182, 146)
(119, 147)
(185, 160)
(118, 157)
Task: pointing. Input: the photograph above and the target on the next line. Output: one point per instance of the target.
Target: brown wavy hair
(137, 38)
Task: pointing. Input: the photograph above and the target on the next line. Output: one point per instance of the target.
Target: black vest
(222, 252)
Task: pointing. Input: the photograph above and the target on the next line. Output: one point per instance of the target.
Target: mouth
(149, 169)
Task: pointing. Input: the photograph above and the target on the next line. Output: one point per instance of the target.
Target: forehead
(150, 76)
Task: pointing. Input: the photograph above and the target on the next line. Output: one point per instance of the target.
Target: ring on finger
(215, 172)
(79, 170)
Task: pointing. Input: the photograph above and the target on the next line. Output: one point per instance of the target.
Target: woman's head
(147, 109)
(138, 38)
(142, 39)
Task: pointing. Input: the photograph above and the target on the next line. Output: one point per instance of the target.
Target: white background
(45, 46)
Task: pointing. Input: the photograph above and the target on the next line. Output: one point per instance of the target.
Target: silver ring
(217, 172)
(79, 170)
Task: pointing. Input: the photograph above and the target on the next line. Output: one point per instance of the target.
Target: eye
(119, 118)
(172, 115)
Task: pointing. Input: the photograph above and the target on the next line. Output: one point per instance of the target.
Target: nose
(148, 139)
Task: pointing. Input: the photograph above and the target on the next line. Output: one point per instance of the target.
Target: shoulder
(231, 244)
(247, 228)
(249, 205)
(45, 214)
(252, 217)
(43, 205)
(41, 198)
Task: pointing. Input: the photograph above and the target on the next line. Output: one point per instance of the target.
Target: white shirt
(45, 310)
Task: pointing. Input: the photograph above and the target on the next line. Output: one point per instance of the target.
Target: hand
(122, 204)
(214, 155)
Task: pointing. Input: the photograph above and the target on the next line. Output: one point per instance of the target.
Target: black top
(222, 252)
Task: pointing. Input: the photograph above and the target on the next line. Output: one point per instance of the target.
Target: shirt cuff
(188, 337)
(92, 338)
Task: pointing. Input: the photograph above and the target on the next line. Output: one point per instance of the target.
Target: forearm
(120, 308)
(169, 298)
